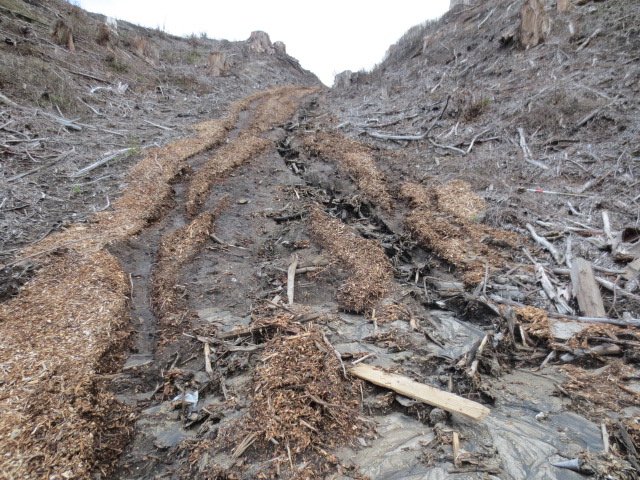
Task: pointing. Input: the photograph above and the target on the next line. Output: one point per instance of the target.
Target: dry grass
(243, 148)
(445, 221)
(356, 160)
(57, 335)
(302, 402)
(370, 272)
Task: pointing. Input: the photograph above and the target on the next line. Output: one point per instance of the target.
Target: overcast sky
(327, 36)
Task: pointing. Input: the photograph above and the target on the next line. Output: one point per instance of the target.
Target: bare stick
(619, 291)
(99, 163)
(455, 444)
(336, 353)
(605, 438)
(551, 291)
(586, 42)
(207, 360)
(528, 157)
(157, 125)
(607, 229)
(291, 278)
(37, 169)
(628, 322)
(557, 256)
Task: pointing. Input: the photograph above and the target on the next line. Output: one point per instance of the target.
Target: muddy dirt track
(200, 328)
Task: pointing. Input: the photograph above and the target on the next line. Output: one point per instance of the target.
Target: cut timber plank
(585, 289)
(421, 392)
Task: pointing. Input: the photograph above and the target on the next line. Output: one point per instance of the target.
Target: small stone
(437, 415)
(243, 201)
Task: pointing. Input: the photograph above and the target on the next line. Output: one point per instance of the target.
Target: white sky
(326, 36)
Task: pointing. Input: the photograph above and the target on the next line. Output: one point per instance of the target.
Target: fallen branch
(551, 291)
(42, 167)
(421, 392)
(557, 256)
(526, 152)
(422, 136)
(605, 283)
(589, 38)
(99, 163)
(628, 322)
(157, 125)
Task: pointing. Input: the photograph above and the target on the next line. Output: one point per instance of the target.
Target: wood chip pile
(176, 250)
(446, 220)
(230, 156)
(63, 330)
(370, 271)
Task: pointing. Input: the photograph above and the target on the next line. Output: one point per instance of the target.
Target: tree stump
(534, 23)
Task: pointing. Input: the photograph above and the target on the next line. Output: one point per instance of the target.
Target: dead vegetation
(147, 194)
(278, 107)
(369, 270)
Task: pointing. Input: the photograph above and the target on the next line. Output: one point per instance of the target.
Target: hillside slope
(121, 89)
(465, 217)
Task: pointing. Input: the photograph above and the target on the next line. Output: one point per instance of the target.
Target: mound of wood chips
(303, 401)
(63, 330)
(370, 271)
(446, 220)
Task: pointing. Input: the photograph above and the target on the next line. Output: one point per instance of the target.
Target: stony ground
(203, 323)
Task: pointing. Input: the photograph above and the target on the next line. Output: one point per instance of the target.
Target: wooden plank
(585, 289)
(421, 392)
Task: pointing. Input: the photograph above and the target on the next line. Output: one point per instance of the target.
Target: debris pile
(303, 401)
(447, 222)
(67, 327)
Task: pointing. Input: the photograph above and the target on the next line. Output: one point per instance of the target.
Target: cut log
(421, 392)
(585, 289)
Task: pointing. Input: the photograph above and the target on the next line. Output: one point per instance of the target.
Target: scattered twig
(526, 152)
(42, 167)
(159, 126)
(336, 353)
